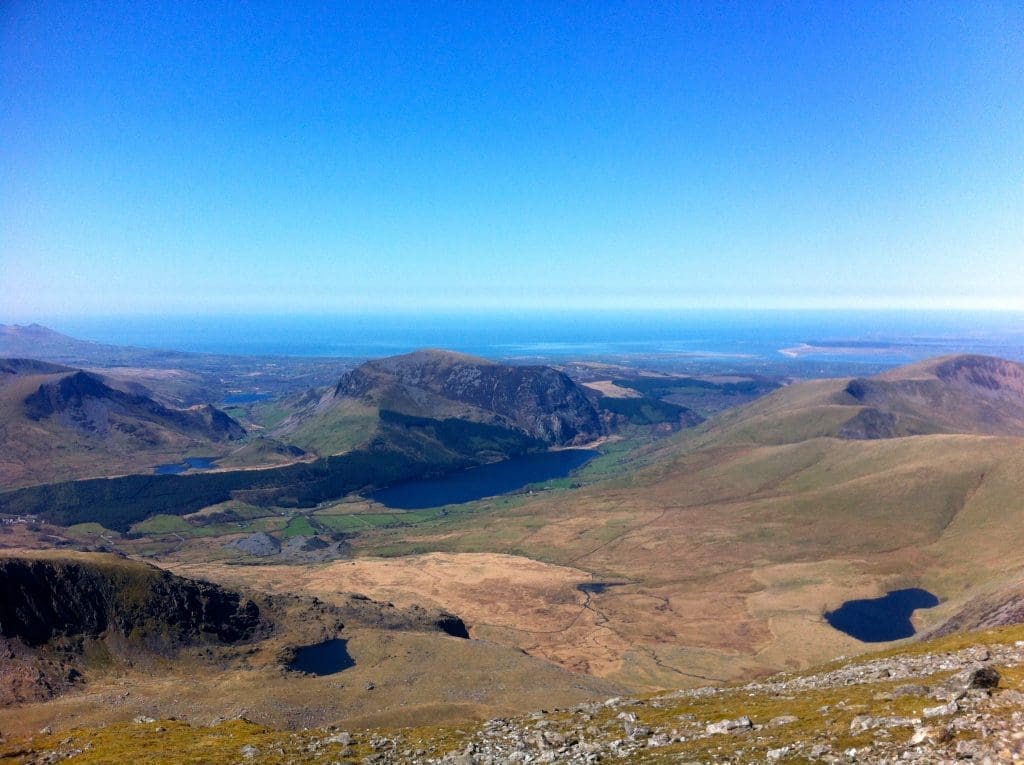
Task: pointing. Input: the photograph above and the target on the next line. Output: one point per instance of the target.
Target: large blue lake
(483, 481)
(878, 620)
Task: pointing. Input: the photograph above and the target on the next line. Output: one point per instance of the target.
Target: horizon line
(42, 317)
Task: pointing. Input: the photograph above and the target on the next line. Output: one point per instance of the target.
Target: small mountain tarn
(327, 658)
(189, 463)
(596, 588)
(878, 620)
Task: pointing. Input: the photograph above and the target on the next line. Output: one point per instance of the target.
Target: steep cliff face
(66, 617)
(539, 401)
(47, 599)
(57, 610)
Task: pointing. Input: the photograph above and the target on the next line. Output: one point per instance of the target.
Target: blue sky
(317, 157)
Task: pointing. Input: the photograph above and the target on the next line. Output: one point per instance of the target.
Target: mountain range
(682, 556)
(60, 423)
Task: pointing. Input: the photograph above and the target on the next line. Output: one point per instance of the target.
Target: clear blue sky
(323, 157)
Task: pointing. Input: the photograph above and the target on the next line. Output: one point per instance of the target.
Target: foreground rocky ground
(958, 699)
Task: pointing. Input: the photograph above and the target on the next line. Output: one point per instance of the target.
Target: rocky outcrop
(987, 373)
(942, 706)
(46, 599)
(996, 609)
(977, 721)
(296, 549)
(84, 403)
(539, 401)
(361, 611)
(56, 612)
(259, 545)
(869, 424)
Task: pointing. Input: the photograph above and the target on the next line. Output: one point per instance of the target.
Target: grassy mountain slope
(958, 394)
(727, 545)
(721, 549)
(71, 424)
(885, 708)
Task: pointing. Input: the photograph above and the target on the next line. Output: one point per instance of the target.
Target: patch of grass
(243, 510)
(643, 411)
(351, 522)
(337, 431)
(172, 742)
(164, 524)
(236, 412)
(364, 521)
(88, 529)
(299, 525)
(267, 413)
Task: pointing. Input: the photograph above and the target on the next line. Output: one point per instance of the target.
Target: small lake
(189, 463)
(878, 620)
(327, 658)
(483, 481)
(596, 588)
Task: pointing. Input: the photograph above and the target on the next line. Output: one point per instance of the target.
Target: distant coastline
(708, 337)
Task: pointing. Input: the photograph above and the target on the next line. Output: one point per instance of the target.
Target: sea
(710, 339)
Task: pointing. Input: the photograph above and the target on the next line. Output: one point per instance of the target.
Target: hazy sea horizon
(871, 338)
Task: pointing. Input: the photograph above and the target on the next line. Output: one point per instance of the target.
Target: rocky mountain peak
(538, 400)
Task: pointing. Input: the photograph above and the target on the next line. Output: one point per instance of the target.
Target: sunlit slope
(957, 394)
(329, 427)
(872, 705)
(736, 539)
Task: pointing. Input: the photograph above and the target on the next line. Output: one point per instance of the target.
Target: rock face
(996, 609)
(58, 610)
(259, 544)
(48, 599)
(868, 423)
(989, 373)
(539, 401)
(360, 610)
(83, 402)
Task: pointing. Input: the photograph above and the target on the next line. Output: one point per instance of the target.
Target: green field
(299, 525)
